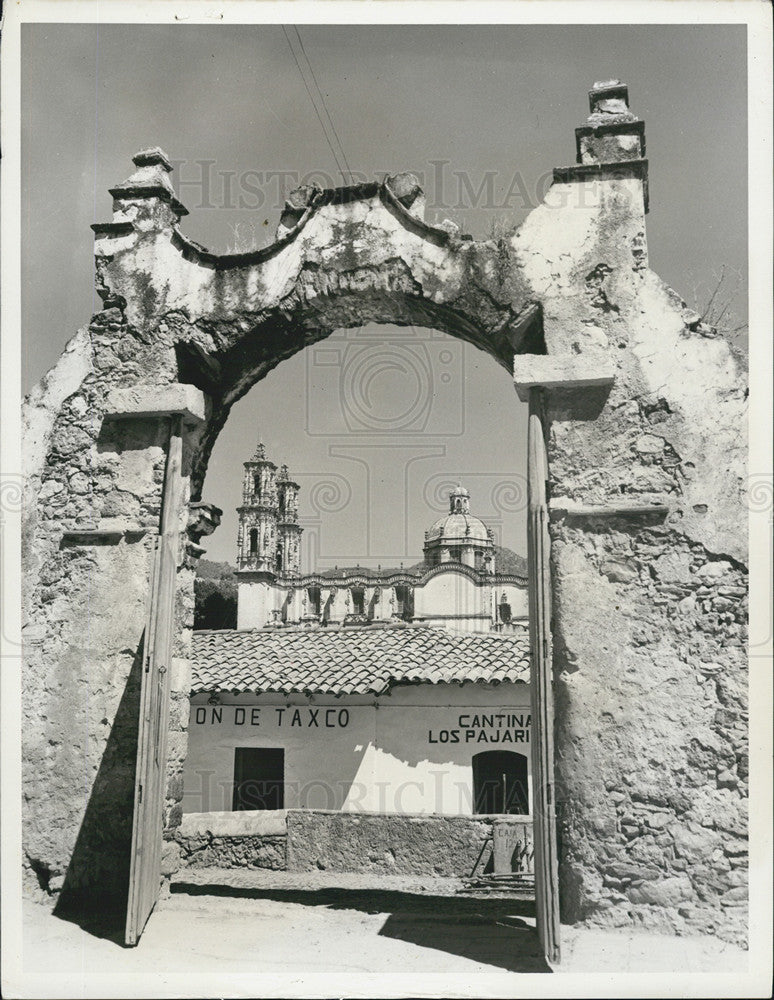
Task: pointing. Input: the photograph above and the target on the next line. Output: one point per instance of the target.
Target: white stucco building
(393, 718)
(357, 717)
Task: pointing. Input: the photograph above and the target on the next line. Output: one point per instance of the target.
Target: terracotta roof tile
(353, 660)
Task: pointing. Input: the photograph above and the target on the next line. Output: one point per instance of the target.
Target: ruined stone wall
(231, 851)
(647, 475)
(649, 553)
(314, 840)
(91, 514)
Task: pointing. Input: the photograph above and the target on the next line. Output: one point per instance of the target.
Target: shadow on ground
(368, 900)
(506, 941)
(490, 931)
(102, 918)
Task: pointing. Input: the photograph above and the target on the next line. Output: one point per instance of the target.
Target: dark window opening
(358, 601)
(500, 782)
(455, 553)
(505, 612)
(315, 599)
(253, 541)
(257, 484)
(403, 603)
(259, 778)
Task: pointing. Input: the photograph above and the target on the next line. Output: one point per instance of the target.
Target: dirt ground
(330, 941)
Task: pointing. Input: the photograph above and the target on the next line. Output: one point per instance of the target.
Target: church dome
(459, 536)
(458, 528)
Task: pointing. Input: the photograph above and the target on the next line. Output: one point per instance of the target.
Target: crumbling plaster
(649, 601)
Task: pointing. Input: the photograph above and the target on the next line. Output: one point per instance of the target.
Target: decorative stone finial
(152, 156)
(149, 185)
(609, 97)
(612, 138)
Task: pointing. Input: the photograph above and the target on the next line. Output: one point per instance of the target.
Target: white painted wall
(449, 600)
(452, 593)
(407, 752)
(255, 602)
(452, 600)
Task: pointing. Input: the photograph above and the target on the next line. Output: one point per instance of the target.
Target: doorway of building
(259, 778)
(500, 782)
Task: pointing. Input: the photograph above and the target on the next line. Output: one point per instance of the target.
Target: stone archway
(342, 258)
(645, 502)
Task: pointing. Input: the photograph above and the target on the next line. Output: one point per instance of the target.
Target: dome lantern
(459, 500)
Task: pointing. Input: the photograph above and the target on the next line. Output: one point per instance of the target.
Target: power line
(324, 104)
(314, 104)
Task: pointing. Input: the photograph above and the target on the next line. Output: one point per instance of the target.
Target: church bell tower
(257, 539)
(288, 559)
(269, 538)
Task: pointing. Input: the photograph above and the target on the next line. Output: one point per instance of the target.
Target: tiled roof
(353, 660)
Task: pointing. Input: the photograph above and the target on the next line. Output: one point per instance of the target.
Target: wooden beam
(151, 770)
(541, 685)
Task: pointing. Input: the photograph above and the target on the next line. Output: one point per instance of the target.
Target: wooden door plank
(150, 778)
(541, 686)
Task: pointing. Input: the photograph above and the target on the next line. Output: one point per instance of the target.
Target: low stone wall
(307, 840)
(233, 852)
(443, 846)
(233, 840)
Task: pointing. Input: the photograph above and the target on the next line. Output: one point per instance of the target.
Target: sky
(375, 424)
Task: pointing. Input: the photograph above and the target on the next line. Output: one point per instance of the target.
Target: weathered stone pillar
(649, 550)
(95, 439)
(93, 567)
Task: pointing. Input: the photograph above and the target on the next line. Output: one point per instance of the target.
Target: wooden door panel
(150, 776)
(541, 686)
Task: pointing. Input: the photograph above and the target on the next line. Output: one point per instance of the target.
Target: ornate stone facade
(457, 588)
(268, 541)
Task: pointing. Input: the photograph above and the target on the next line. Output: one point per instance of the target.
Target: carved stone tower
(257, 538)
(288, 558)
(269, 540)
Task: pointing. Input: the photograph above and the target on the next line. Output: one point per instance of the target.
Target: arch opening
(355, 413)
